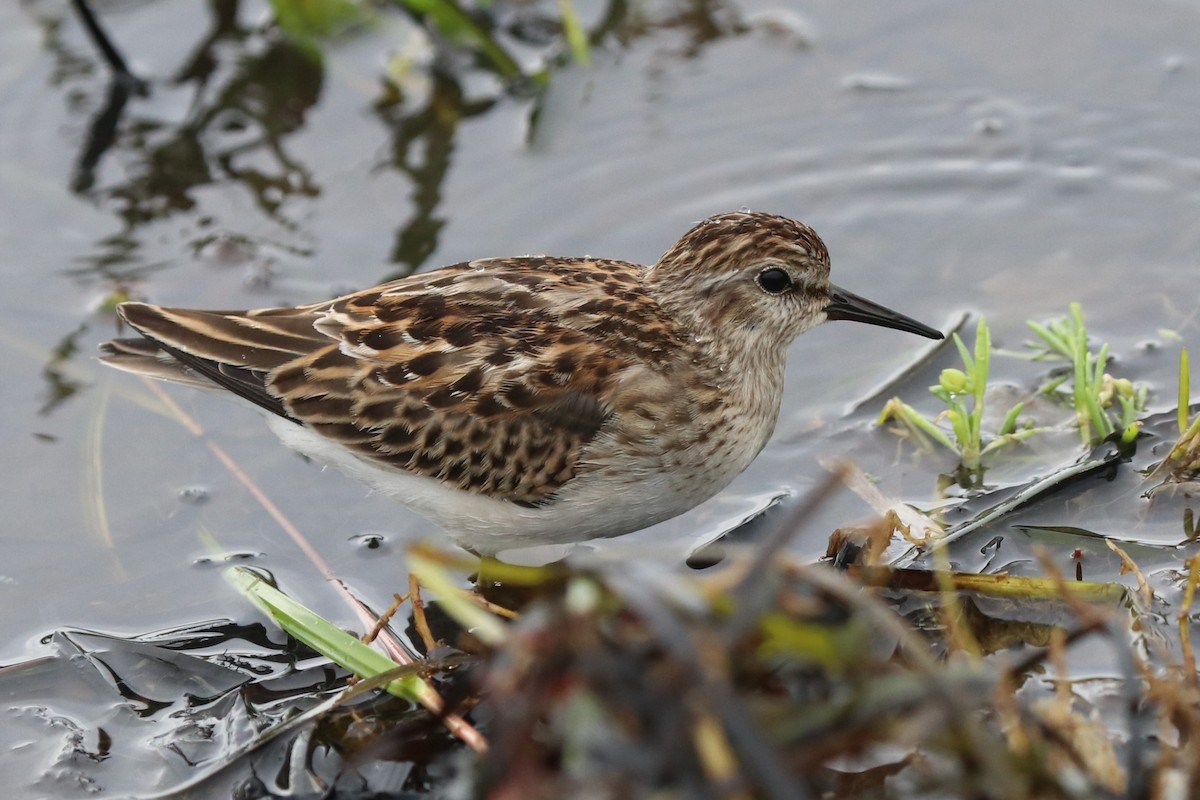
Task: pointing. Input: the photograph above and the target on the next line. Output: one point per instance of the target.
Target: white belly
(621, 496)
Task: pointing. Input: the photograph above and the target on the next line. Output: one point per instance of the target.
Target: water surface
(957, 158)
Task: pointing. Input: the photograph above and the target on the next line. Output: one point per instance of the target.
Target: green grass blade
(1077, 326)
(1079, 362)
(983, 359)
(1010, 419)
(455, 23)
(326, 638)
(307, 21)
(454, 600)
(1052, 339)
(1010, 438)
(576, 36)
(1185, 390)
(1101, 363)
(1052, 386)
(936, 433)
(1103, 423)
(964, 354)
(915, 421)
(1094, 423)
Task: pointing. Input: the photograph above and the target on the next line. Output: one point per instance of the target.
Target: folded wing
(489, 376)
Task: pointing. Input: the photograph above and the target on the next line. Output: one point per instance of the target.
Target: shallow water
(1003, 160)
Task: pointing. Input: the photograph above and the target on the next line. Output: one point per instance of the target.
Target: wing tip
(141, 316)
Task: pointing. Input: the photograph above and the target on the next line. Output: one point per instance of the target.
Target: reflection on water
(60, 384)
(223, 113)
(421, 149)
(246, 90)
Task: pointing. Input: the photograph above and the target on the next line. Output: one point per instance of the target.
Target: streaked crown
(760, 277)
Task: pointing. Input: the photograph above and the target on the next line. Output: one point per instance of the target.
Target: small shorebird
(524, 401)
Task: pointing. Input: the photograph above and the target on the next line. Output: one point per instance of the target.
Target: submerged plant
(955, 388)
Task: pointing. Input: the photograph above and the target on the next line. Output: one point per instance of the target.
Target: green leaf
(1185, 391)
(455, 23)
(306, 21)
(983, 360)
(1010, 419)
(1052, 339)
(455, 601)
(915, 421)
(326, 638)
(968, 362)
(577, 39)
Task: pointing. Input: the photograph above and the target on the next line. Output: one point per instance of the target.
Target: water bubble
(226, 557)
(369, 541)
(194, 495)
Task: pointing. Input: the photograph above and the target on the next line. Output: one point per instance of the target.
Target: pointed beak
(847, 305)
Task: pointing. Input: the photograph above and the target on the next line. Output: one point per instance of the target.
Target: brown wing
(491, 376)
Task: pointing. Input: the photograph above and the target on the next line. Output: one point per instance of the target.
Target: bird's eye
(774, 280)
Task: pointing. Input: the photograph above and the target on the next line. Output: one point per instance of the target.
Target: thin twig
(1144, 593)
(419, 619)
(385, 618)
(498, 610)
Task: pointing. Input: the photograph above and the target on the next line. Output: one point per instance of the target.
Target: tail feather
(145, 357)
(235, 350)
(243, 339)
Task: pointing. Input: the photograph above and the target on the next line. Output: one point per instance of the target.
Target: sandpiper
(526, 401)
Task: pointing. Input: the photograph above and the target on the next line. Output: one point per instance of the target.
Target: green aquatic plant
(307, 22)
(1185, 394)
(328, 639)
(1183, 461)
(454, 23)
(457, 25)
(1103, 404)
(574, 33)
(1186, 452)
(963, 391)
